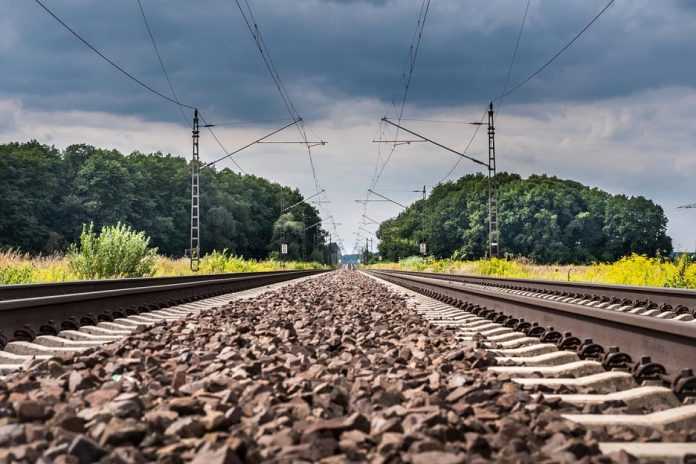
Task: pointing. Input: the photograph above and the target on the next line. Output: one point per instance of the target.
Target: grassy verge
(631, 270)
(18, 268)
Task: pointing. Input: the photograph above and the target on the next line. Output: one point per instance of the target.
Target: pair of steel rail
(581, 317)
(27, 311)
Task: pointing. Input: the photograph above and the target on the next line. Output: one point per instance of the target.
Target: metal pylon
(493, 231)
(195, 199)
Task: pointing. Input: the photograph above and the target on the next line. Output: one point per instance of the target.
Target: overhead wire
(413, 56)
(248, 16)
(509, 90)
(171, 86)
(555, 55)
(414, 48)
(174, 100)
(110, 61)
(161, 62)
(517, 47)
(505, 86)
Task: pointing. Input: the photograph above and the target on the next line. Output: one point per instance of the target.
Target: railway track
(51, 319)
(339, 367)
(507, 319)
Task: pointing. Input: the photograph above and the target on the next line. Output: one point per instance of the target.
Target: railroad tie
(532, 364)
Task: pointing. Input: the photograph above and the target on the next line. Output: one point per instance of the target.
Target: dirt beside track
(336, 368)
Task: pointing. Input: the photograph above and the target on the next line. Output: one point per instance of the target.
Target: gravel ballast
(334, 369)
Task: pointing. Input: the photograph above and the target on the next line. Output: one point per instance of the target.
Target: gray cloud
(338, 49)
(615, 111)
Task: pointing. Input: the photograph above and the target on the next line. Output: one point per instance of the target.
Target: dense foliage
(46, 195)
(546, 219)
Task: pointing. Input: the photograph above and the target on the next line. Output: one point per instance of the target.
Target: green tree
(547, 219)
(47, 195)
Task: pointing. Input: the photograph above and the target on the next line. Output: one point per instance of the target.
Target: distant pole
(424, 192)
(493, 232)
(195, 198)
(304, 237)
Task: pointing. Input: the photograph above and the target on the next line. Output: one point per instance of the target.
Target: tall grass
(630, 270)
(91, 260)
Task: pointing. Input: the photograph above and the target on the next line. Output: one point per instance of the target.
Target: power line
(249, 18)
(413, 55)
(227, 155)
(250, 21)
(161, 62)
(466, 149)
(555, 55)
(147, 87)
(222, 147)
(507, 91)
(517, 47)
(414, 48)
(171, 86)
(110, 61)
(436, 121)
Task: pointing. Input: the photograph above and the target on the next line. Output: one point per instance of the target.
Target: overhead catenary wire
(553, 58)
(508, 76)
(174, 99)
(414, 48)
(110, 61)
(516, 49)
(161, 62)
(413, 56)
(249, 18)
(171, 85)
(227, 155)
(509, 90)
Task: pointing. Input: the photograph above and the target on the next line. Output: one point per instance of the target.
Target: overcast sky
(616, 111)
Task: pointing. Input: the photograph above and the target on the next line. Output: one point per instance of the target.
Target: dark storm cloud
(335, 49)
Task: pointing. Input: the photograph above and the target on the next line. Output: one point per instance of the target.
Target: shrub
(214, 263)
(118, 251)
(20, 274)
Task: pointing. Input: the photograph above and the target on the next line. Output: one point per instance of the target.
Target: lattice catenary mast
(493, 232)
(195, 250)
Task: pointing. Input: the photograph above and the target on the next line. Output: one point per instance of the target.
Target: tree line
(546, 219)
(46, 195)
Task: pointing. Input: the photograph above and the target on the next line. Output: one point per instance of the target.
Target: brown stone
(186, 427)
(31, 410)
(101, 396)
(390, 443)
(355, 421)
(439, 457)
(123, 432)
(186, 406)
(221, 455)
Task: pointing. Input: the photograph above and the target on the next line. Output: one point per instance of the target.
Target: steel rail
(669, 343)
(17, 291)
(26, 318)
(673, 297)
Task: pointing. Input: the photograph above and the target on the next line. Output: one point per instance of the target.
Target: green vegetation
(46, 195)
(118, 251)
(17, 268)
(544, 219)
(630, 270)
